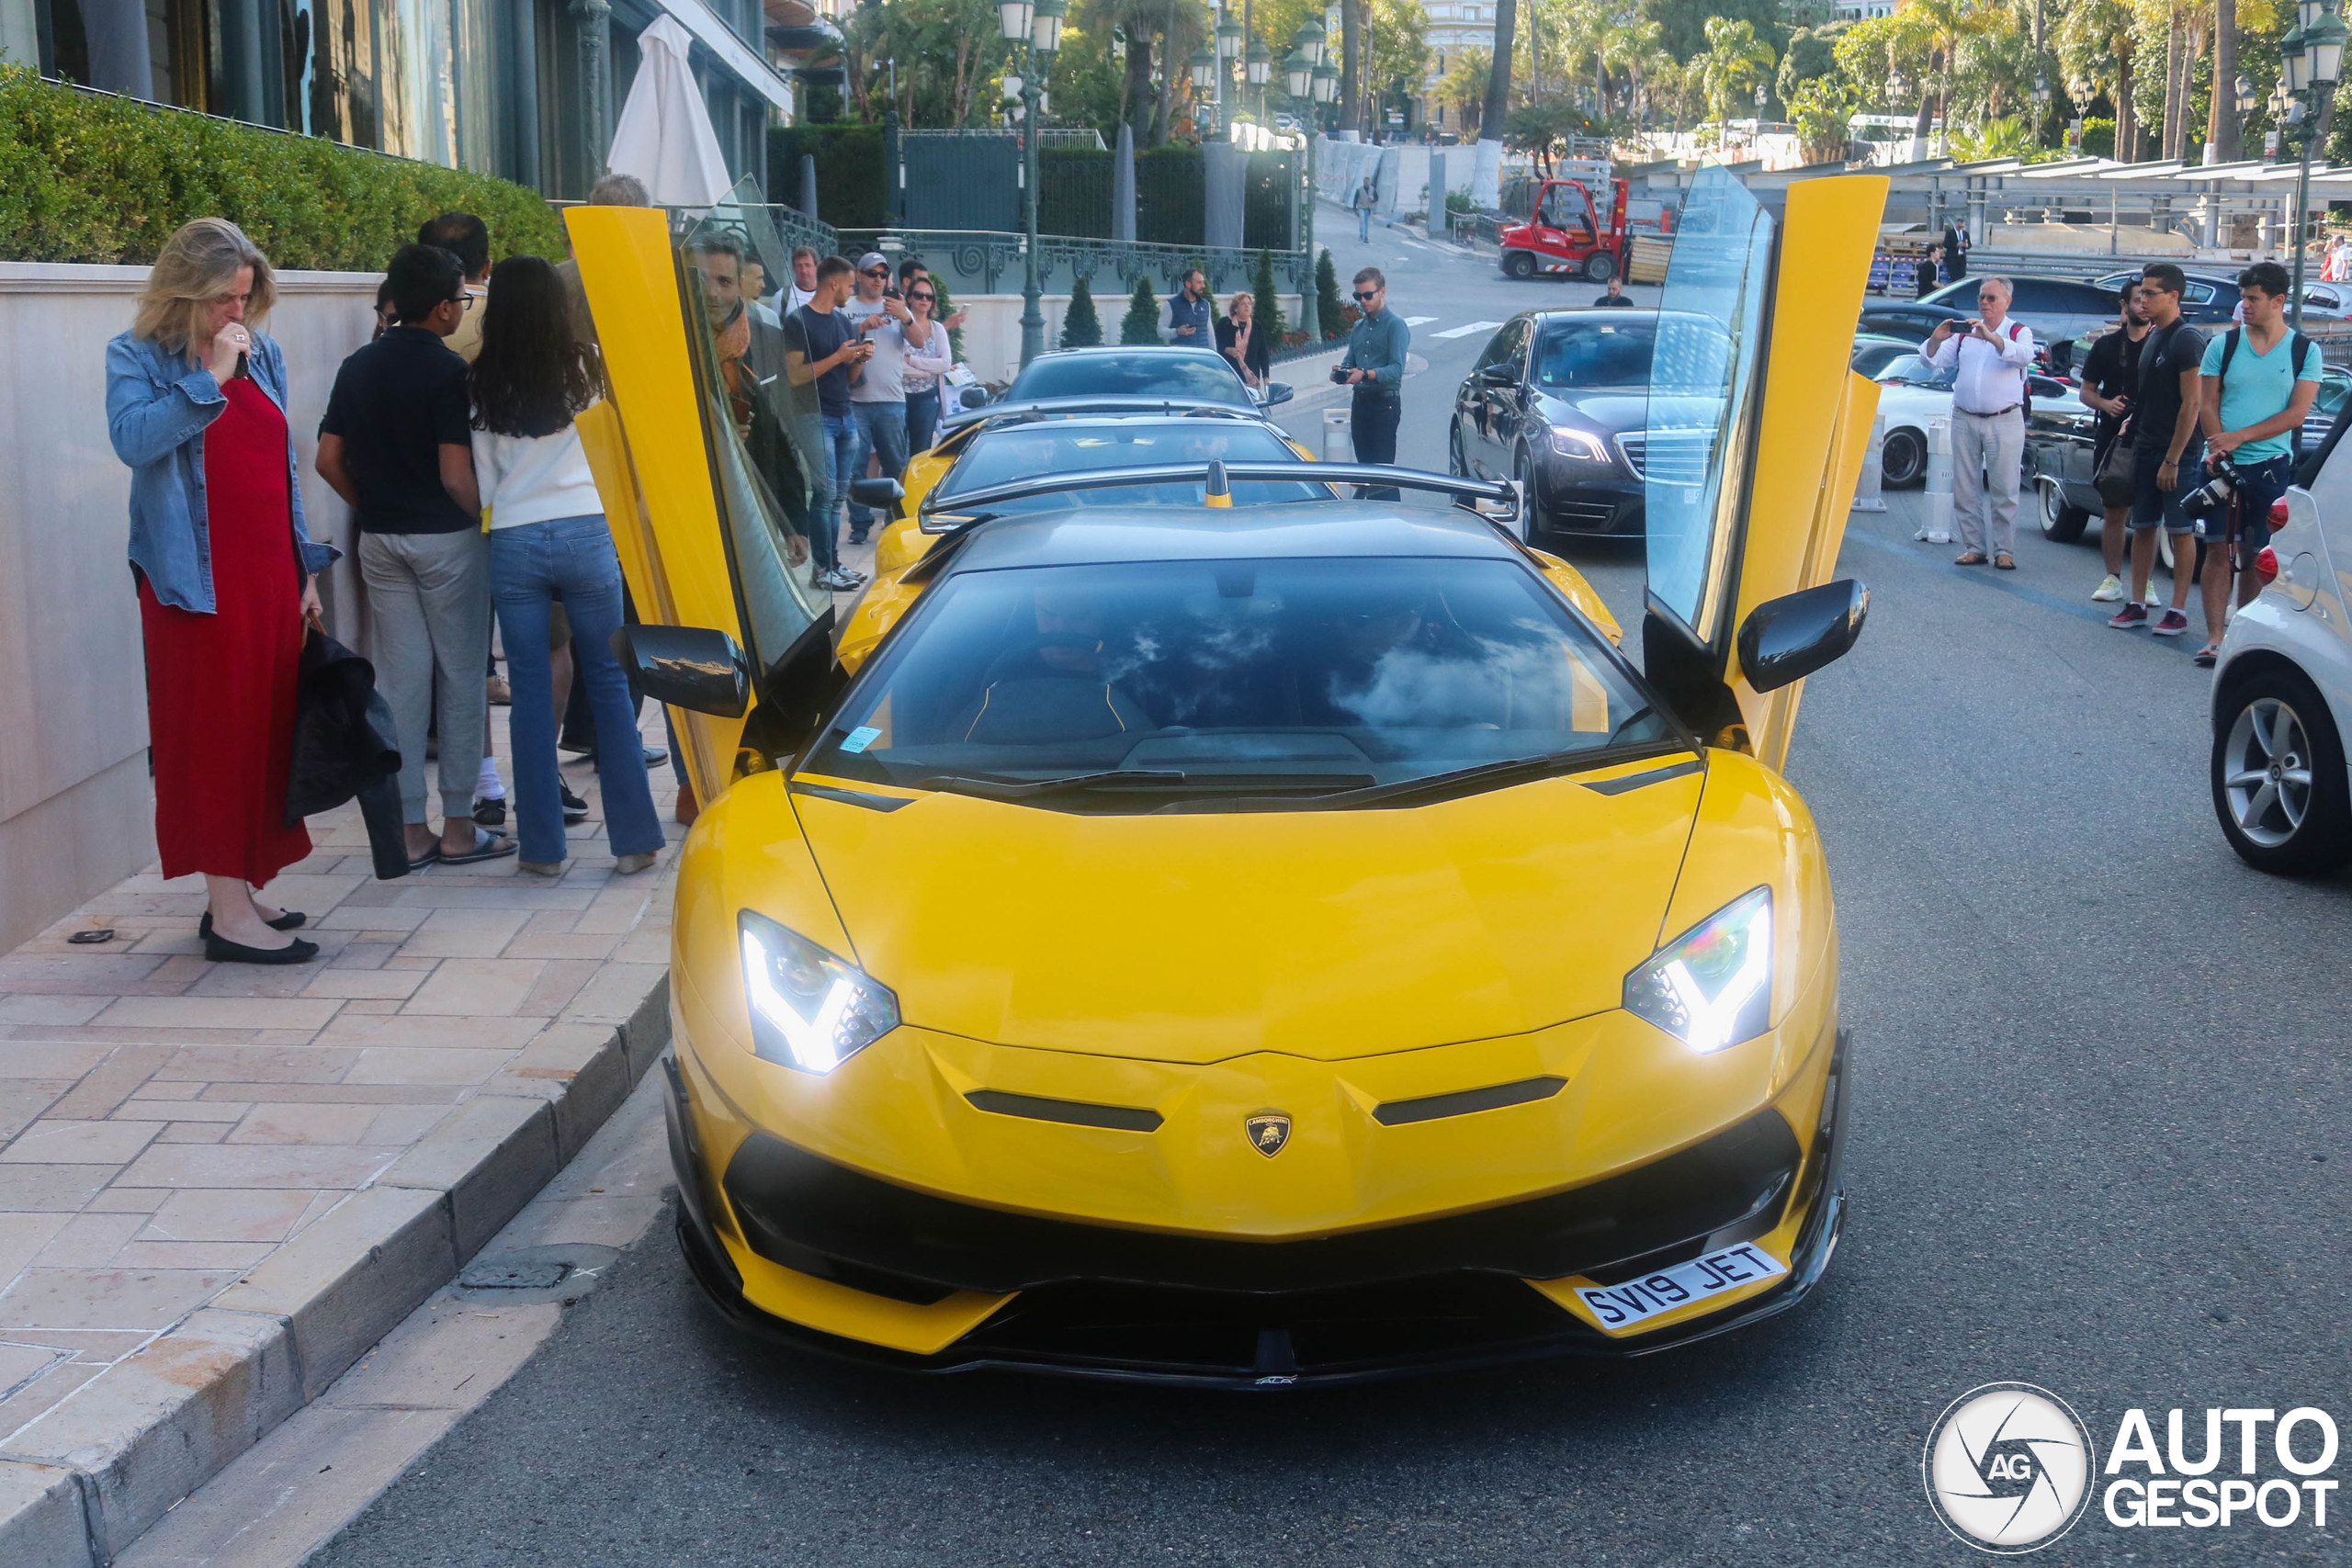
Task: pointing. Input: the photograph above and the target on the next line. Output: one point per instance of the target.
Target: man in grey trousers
(1993, 356)
(397, 443)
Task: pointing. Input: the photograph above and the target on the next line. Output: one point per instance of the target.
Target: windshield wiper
(1516, 769)
(989, 788)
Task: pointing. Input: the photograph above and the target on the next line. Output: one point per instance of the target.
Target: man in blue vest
(1191, 322)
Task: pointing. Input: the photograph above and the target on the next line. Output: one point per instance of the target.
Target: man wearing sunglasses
(1987, 422)
(1375, 366)
(878, 399)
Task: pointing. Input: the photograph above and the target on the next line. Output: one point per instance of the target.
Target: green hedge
(852, 190)
(92, 178)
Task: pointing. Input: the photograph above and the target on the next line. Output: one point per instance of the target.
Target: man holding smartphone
(1375, 366)
(879, 400)
(2109, 372)
(823, 354)
(1992, 353)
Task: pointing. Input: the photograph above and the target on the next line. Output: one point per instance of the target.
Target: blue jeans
(840, 451)
(881, 428)
(531, 566)
(923, 420)
(1363, 224)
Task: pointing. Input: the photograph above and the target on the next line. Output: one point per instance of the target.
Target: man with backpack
(2168, 451)
(2258, 380)
(1991, 354)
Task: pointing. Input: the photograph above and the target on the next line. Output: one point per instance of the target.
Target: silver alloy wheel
(2268, 786)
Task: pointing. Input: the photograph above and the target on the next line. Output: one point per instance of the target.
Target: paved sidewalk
(221, 1184)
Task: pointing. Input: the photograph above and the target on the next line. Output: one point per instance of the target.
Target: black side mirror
(876, 492)
(1277, 393)
(973, 396)
(1503, 375)
(1787, 639)
(692, 668)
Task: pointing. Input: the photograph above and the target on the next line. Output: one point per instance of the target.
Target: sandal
(1969, 558)
(2204, 657)
(418, 862)
(487, 846)
(2005, 562)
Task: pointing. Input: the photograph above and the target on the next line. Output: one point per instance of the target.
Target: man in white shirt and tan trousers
(1987, 422)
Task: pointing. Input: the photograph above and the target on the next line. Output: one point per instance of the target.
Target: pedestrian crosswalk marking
(1466, 332)
(1419, 321)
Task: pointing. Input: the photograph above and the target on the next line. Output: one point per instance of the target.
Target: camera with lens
(2208, 503)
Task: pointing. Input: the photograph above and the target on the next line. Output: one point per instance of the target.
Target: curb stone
(90, 1476)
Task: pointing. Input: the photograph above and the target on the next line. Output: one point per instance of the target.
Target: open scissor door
(1756, 432)
(698, 454)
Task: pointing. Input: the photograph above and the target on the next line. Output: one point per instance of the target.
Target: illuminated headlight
(1714, 987)
(809, 1009)
(1580, 444)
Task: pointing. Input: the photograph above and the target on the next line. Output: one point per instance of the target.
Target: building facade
(523, 89)
(1455, 27)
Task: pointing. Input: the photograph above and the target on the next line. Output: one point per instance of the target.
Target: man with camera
(1987, 422)
(2167, 453)
(2110, 371)
(2258, 383)
(1375, 366)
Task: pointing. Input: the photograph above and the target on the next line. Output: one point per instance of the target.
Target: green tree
(2096, 43)
(1735, 63)
(1141, 323)
(1809, 58)
(1682, 24)
(1270, 326)
(1082, 327)
(1463, 89)
(1821, 108)
(941, 308)
(1327, 307)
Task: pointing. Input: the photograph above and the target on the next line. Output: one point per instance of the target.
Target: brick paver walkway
(166, 1124)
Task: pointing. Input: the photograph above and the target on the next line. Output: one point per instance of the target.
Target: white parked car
(2282, 687)
(1911, 392)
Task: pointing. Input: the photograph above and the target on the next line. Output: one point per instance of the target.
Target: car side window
(1505, 345)
(2033, 294)
(2199, 293)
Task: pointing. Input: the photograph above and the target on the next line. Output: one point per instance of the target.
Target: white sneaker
(1922, 533)
(2110, 588)
(1939, 539)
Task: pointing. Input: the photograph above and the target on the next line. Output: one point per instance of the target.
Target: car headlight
(1714, 987)
(1581, 443)
(809, 1009)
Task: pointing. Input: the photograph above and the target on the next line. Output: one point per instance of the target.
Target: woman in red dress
(196, 402)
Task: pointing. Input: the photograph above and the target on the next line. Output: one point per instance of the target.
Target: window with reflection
(1709, 349)
(766, 473)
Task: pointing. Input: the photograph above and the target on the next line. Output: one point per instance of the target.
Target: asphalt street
(2097, 1145)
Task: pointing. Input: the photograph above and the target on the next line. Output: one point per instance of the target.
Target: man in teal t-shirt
(2259, 381)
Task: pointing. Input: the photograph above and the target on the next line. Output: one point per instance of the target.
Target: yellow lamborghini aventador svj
(1217, 930)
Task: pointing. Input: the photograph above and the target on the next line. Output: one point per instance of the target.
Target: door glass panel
(767, 467)
(1703, 374)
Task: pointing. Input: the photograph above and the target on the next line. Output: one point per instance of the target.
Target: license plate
(1635, 1301)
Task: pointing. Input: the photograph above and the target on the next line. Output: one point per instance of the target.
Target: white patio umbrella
(664, 136)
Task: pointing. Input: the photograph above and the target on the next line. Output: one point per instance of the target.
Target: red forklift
(1567, 237)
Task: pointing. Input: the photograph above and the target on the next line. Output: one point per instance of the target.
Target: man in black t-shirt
(397, 443)
(2168, 450)
(823, 353)
(2110, 375)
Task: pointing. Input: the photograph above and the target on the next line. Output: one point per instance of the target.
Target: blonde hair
(199, 264)
(1235, 307)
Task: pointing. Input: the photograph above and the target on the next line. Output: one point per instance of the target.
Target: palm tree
(1735, 62)
(1497, 105)
(2094, 40)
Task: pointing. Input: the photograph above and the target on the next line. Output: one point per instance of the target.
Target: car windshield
(1579, 354)
(1912, 370)
(1232, 678)
(1147, 373)
(1023, 451)
(1869, 359)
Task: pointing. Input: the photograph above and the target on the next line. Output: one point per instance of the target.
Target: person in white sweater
(548, 542)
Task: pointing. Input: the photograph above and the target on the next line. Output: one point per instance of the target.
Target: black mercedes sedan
(1559, 400)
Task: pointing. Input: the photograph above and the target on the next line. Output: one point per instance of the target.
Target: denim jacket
(157, 408)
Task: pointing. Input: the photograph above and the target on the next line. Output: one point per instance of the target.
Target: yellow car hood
(1322, 934)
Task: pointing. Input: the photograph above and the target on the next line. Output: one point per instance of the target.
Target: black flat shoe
(221, 950)
(291, 919)
(575, 810)
(490, 813)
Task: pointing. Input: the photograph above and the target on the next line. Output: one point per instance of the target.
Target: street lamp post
(1036, 26)
(2311, 55)
(1257, 64)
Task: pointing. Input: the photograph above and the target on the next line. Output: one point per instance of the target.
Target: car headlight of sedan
(809, 1009)
(1581, 443)
(1714, 987)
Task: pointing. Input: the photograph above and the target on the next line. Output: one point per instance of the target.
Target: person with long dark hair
(226, 576)
(548, 541)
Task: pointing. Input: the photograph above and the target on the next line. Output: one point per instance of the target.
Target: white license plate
(1635, 1301)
